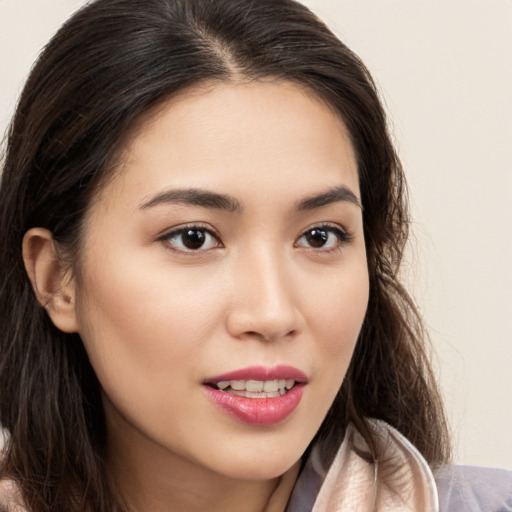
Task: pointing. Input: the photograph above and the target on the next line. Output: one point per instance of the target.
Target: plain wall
(445, 71)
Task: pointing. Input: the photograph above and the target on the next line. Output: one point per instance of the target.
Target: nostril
(268, 337)
(257, 335)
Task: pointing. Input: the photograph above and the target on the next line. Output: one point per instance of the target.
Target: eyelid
(344, 236)
(166, 235)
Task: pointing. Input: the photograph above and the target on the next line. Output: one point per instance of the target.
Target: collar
(400, 481)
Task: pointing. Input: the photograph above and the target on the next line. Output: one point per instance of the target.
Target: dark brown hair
(108, 65)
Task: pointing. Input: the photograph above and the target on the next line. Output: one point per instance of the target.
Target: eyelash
(166, 238)
(343, 237)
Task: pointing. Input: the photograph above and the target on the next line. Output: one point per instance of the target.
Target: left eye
(192, 239)
(322, 237)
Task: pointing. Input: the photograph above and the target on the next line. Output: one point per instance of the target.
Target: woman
(203, 218)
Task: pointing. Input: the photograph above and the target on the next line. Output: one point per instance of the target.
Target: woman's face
(227, 248)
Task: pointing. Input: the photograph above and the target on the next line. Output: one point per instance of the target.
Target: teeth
(239, 385)
(253, 394)
(271, 386)
(256, 388)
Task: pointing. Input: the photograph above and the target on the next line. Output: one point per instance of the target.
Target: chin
(259, 464)
(260, 472)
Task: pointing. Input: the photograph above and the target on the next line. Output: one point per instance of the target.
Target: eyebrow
(332, 195)
(195, 197)
(208, 199)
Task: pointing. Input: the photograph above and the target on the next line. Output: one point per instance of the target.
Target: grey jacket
(405, 483)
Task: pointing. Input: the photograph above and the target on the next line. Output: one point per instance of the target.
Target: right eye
(191, 239)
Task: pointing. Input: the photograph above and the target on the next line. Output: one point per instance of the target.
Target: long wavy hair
(107, 66)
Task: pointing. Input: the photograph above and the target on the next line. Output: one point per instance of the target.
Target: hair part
(110, 64)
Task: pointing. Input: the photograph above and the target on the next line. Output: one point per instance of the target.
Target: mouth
(258, 395)
(255, 388)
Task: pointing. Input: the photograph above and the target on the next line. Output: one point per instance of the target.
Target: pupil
(193, 239)
(317, 237)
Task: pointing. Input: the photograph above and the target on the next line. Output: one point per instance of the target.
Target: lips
(257, 395)
(261, 373)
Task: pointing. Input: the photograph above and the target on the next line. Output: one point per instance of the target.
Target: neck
(146, 476)
(187, 488)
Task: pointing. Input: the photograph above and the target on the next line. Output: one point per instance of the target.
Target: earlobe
(51, 281)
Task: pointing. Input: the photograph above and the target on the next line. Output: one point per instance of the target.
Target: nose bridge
(264, 301)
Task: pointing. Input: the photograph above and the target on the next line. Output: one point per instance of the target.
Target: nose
(265, 300)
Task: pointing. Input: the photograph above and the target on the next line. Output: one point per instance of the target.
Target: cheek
(337, 316)
(136, 317)
(337, 310)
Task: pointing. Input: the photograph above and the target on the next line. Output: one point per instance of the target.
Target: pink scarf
(401, 482)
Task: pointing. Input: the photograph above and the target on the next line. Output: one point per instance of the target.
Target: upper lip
(261, 373)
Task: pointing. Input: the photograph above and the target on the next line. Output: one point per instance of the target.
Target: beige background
(445, 71)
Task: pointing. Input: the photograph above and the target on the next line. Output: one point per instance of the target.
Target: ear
(52, 282)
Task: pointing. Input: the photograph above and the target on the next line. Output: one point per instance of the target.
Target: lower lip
(257, 411)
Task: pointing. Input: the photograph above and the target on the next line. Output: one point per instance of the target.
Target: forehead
(245, 137)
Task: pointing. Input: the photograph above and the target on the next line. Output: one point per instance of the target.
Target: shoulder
(406, 483)
(10, 499)
(474, 489)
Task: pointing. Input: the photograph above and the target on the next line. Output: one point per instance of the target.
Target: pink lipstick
(257, 395)
(260, 373)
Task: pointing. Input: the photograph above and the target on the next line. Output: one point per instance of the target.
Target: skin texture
(157, 319)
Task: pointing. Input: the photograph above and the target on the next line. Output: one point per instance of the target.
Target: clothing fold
(401, 480)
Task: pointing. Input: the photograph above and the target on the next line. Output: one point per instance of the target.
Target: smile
(256, 388)
(266, 396)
